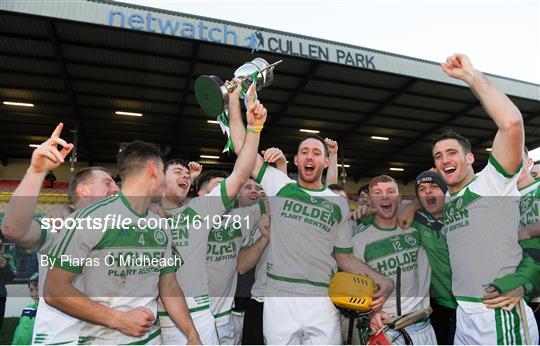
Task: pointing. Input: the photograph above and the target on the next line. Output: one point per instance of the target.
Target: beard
(314, 179)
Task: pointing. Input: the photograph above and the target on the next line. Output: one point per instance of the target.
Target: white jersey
(190, 239)
(386, 250)
(51, 326)
(529, 205)
(258, 290)
(119, 265)
(223, 246)
(307, 227)
(480, 223)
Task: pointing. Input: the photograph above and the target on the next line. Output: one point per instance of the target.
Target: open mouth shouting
(431, 201)
(183, 184)
(309, 168)
(448, 171)
(386, 207)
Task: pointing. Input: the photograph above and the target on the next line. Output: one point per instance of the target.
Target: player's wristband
(254, 129)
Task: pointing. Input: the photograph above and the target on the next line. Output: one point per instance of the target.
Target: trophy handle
(271, 66)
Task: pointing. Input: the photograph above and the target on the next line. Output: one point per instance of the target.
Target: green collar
(308, 189)
(463, 188)
(382, 228)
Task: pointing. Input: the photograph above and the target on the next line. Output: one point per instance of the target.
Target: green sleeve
(25, 328)
(527, 273)
(23, 334)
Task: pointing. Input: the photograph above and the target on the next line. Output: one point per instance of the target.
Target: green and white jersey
(434, 242)
(528, 209)
(386, 250)
(480, 223)
(47, 240)
(258, 290)
(52, 326)
(223, 247)
(307, 227)
(190, 239)
(120, 264)
(529, 204)
(47, 237)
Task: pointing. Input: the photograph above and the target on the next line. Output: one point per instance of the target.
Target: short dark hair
(172, 162)
(81, 176)
(364, 188)
(337, 187)
(206, 176)
(134, 156)
(314, 136)
(452, 134)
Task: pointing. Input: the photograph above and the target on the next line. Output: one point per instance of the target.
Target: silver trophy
(213, 94)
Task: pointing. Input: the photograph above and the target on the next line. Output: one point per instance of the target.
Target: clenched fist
(459, 66)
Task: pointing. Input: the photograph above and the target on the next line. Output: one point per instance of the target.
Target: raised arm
(59, 293)
(238, 131)
(174, 301)
(332, 170)
(18, 224)
(243, 167)
(195, 170)
(508, 142)
(249, 257)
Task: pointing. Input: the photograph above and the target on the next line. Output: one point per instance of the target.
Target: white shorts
(493, 326)
(52, 326)
(226, 333)
(152, 337)
(231, 332)
(237, 320)
(204, 323)
(421, 333)
(301, 320)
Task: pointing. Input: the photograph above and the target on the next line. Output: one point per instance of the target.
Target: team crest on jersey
(410, 239)
(160, 237)
(323, 203)
(459, 203)
(327, 206)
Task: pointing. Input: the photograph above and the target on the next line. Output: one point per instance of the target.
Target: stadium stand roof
(80, 61)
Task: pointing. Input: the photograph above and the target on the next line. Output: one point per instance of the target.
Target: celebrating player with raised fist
(311, 236)
(482, 216)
